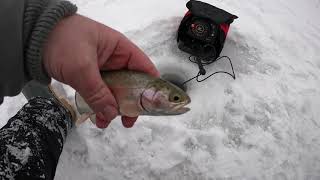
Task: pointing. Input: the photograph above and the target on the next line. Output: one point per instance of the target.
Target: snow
(20, 154)
(10, 107)
(263, 125)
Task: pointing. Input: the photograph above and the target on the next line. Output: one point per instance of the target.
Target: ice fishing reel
(202, 33)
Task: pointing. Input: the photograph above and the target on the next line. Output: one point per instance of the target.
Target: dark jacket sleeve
(24, 28)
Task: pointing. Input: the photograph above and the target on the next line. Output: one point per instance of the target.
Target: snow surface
(263, 125)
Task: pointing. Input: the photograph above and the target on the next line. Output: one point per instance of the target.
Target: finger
(128, 122)
(126, 55)
(95, 92)
(102, 122)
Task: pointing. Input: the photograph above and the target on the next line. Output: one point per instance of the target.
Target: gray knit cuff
(44, 24)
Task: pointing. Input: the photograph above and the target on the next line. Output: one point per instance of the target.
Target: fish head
(164, 98)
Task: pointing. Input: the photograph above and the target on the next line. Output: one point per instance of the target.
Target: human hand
(78, 48)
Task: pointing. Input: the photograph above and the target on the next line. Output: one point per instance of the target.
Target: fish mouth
(177, 111)
(181, 109)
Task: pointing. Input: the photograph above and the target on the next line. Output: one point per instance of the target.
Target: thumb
(97, 94)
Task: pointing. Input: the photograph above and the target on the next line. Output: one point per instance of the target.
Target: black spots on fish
(160, 84)
(166, 89)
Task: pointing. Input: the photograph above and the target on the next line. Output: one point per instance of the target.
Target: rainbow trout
(138, 93)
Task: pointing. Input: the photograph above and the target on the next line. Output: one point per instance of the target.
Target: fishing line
(203, 62)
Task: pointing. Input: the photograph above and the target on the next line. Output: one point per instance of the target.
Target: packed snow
(263, 125)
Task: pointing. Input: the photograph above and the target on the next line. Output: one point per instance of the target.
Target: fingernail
(128, 125)
(101, 121)
(109, 112)
(101, 117)
(128, 122)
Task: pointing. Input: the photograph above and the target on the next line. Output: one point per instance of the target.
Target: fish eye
(175, 98)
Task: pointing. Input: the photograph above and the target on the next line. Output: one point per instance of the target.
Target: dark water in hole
(176, 79)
